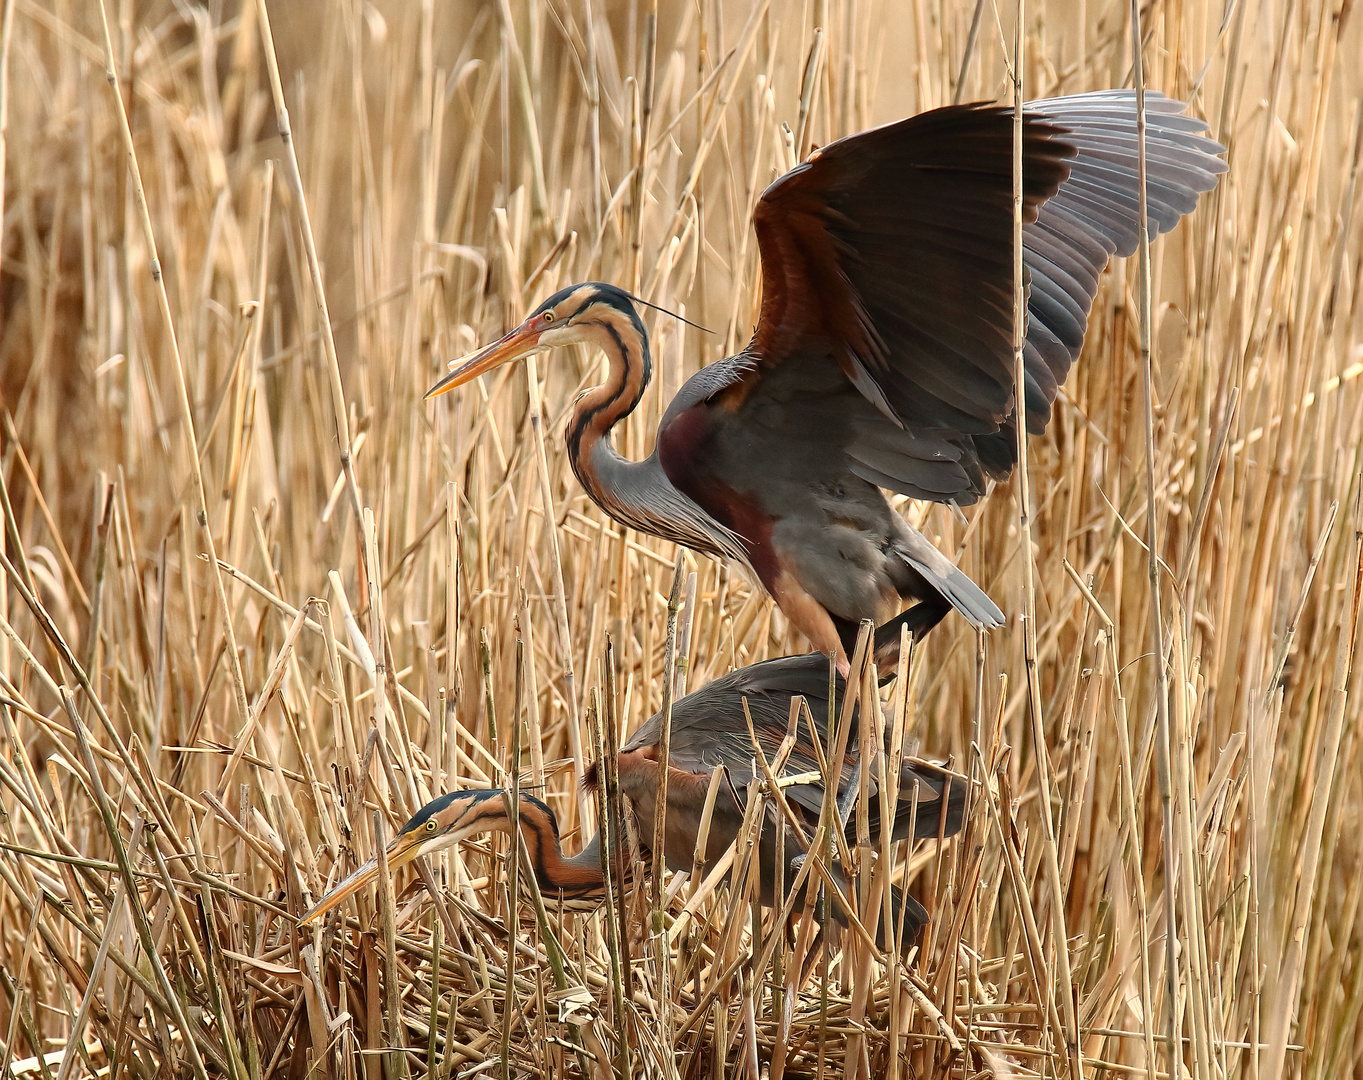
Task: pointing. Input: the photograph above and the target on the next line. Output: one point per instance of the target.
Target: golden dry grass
(460, 161)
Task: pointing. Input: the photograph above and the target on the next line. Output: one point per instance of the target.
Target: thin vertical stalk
(181, 386)
(433, 1021)
(129, 880)
(637, 181)
(612, 860)
(532, 380)
(112, 925)
(539, 198)
(295, 175)
(394, 1057)
(6, 39)
(1070, 1034)
(452, 636)
(513, 861)
(1327, 762)
(658, 840)
(688, 626)
(968, 53)
(1164, 764)
(1129, 841)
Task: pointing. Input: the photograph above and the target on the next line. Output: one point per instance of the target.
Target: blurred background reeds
(256, 590)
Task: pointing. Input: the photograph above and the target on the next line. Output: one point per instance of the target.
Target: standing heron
(883, 354)
(709, 731)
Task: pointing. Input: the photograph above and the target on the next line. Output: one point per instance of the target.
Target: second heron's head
(593, 312)
(439, 824)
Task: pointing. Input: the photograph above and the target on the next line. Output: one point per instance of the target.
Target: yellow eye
(548, 316)
(430, 825)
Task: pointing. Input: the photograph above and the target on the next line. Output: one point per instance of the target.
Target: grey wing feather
(1096, 212)
(709, 729)
(1093, 216)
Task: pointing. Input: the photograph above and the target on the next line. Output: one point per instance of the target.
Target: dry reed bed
(458, 165)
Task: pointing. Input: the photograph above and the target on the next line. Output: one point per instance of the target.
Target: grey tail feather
(913, 913)
(962, 593)
(902, 907)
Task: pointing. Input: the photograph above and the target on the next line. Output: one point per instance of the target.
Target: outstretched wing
(887, 258)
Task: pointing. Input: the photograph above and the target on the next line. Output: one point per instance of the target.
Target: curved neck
(575, 877)
(622, 337)
(635, 493)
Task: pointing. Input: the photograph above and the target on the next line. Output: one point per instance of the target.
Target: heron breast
(688, 452)
(682, 444)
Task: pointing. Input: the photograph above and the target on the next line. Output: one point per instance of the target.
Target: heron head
(440, 823)
(579, 313)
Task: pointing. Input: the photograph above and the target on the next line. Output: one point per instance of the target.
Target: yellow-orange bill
(522, 340)
(402, 849)
(366, 873)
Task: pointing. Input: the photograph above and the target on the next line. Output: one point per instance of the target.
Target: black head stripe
(444, 802)
(540, 805)
(559, 297)
(594, 292)
(474, 797)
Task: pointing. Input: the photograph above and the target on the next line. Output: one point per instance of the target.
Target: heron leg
(919, 620)
(811, 618)
(811, 956)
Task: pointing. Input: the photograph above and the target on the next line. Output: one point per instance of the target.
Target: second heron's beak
(522, 341)
(402, 849)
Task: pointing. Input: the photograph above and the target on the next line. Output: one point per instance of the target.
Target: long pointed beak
(402, 849)
(520, 342)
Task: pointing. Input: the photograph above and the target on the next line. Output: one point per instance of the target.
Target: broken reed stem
(1290, 632)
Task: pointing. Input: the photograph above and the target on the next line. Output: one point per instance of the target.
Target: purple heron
(709, 730)
(883, 352)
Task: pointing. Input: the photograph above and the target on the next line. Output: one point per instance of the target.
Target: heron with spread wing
(709, 731)
(883, 354)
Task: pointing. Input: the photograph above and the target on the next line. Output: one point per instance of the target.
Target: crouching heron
(709, 731)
